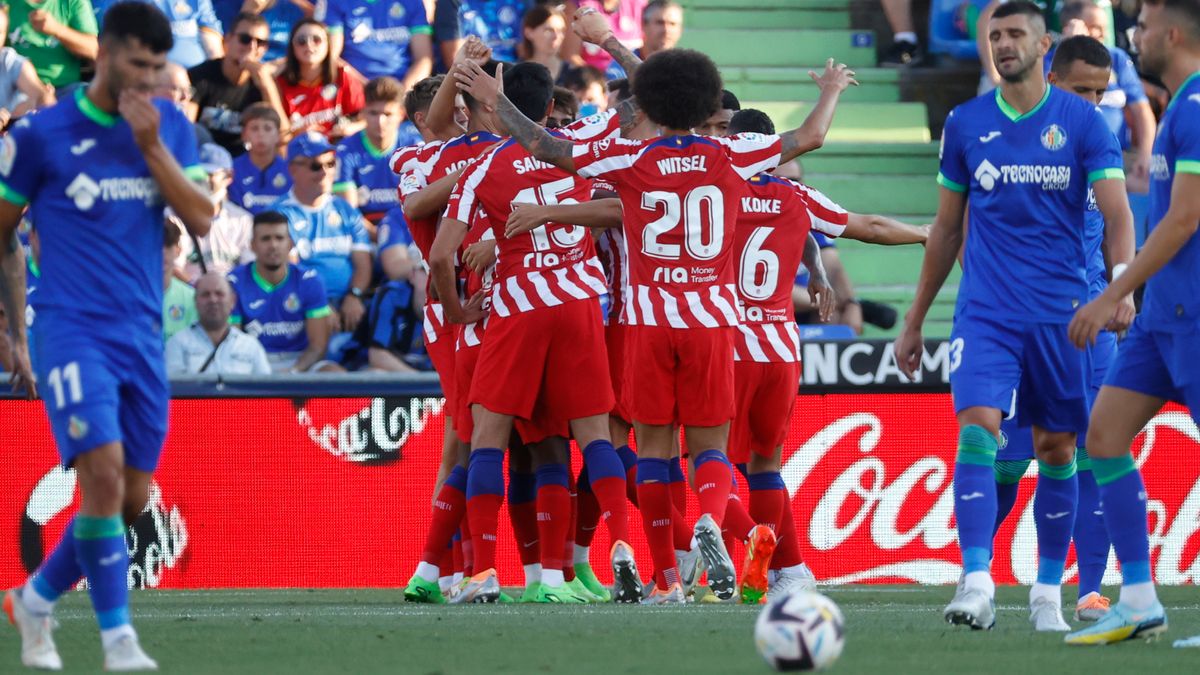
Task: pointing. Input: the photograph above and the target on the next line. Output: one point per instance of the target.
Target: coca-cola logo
(871, 509)
(369, 434)
(156, 541)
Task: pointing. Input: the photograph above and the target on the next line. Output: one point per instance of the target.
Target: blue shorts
(1159, 364)
(1029, 371)
(103, 387)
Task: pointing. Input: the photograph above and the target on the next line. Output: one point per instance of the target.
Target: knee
(102, 487)
(760, 464)
(1102, 442)
(1058, 455)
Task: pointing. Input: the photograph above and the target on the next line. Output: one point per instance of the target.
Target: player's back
(552, 264)
(433, 166)
(99, 211)
(1026, 177)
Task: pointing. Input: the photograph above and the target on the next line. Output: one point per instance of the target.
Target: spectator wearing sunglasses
(318, 94)
(224, 87)
(329, 235)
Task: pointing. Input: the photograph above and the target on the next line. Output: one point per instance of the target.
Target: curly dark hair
(678, 88)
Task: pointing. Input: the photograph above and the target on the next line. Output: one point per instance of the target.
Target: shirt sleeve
(827, 216)
(235, 317)
(1187, 136)
(602, 125)
(174, 354)
(1101, 153)
(952, 166)
(312, 296)
(20, 148)
(360, 238)
(355, 98)
(1127, 78)
(206, 16)
(393, 231)
(179, 138)
(752, 153)
(417, 18)
(83, 17)
(609, 157)
(464, 200)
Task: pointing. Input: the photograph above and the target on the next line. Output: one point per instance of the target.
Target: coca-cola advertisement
(335, 492)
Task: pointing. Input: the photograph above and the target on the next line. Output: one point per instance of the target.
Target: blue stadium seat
(826, 332)
(949, 27)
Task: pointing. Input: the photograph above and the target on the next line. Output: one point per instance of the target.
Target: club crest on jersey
(175, 312)
(77, 429)
(292, 303)
(329, 91)
(397, 11)
(1053, 137)
(279, 181)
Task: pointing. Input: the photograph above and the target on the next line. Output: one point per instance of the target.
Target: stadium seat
(949, 30)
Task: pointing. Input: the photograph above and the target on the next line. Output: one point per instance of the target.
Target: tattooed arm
(811, 135)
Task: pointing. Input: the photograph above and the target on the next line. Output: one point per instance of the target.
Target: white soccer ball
(800, 631)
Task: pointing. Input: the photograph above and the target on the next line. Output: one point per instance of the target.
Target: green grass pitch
(889, 630)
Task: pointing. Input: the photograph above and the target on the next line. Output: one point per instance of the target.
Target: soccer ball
(802, 630)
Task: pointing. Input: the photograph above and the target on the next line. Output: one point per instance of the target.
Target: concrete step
(915, 159)
(781, 47)
(876, 85)
(878, 193)
(766, 17)
(857, 122)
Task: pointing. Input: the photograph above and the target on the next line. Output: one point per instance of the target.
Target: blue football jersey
(377, 32)
(275, 314)
(367, 170)
(1097, 269)
(496, 22)
(393, 231)
(1026, 178)
(325, 237)
(1172, 299)
(256, 189)
(99, 213)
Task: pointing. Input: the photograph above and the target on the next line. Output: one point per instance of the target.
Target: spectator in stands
(380, 37)
(175, 86)
(392, 330)
(365, 177)
(624, 18)
(196, 30)
(224, 87)
(318, 94)
(281, 304)
(662, 27)
(330, 235)
(904, 49)
(226, 10)
(542, 33)
(21, 90)
(566, 109)
(57, 37)
(211, 345)
(227, 244)
(260, 176)
(718, 123)
(1125, 105)
(496, 22)
(588, 85)
(179, 300)
(281, 16)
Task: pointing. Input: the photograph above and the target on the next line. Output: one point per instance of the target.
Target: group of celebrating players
(695, 242)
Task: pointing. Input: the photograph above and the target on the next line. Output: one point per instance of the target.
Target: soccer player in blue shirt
(365, 177)
(1024, 156)
(329, 234)
(1082, 65)
(1156, 362)
(97, 171)
(380, 37)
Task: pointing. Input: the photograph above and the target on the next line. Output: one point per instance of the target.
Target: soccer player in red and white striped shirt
(543, 356)
(679, 194)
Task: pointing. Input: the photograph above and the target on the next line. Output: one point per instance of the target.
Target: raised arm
(440, 117)
(884, 231)
(941, 252)
(811, 135)
(489, 91)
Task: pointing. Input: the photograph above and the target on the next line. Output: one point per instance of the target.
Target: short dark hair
(171, 232)
(291, 64)
(579, 79)
(490, 69)
(620, 86)
(1080, 48)
(1073, 9)
(138, 21)
(420, 97)
(1188, 10)
(529, 87)
(657, 6)
(246, 17)
(269, 218)
(678, 88)
(260, 111)
(1024, 8)
(566, 101)
(383, 89)
(729, 101)
(751, 120)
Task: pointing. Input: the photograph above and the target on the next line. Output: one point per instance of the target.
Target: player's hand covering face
(485, 88)
(142, 116)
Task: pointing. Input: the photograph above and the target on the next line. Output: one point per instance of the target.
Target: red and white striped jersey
(473, 282)
(403, 159)
(770, 236)
(681, 197)
(605, 124)
(611, 251)
(548, 266)
(827, 216)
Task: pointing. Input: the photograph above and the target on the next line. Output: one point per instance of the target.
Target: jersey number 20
(702, 206)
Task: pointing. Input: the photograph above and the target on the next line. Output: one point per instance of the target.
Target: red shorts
(765, 394)
(547, 365)
(464, 370)
(614, 338)
(441, 353)
(679, 375)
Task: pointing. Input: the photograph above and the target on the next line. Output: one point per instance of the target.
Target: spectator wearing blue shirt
(381, 37)
(496, 22)
(329, 234)
(194, 25)
(281, 15)
(365, 177)
(260, 176)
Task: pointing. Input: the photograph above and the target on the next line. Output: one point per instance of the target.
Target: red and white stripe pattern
(549, 288)
(775, 342)
(604, 124)
(612, 255)
(826, 215)
(405, 159)
(713, 307)
(471, 334)
(435, 321)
